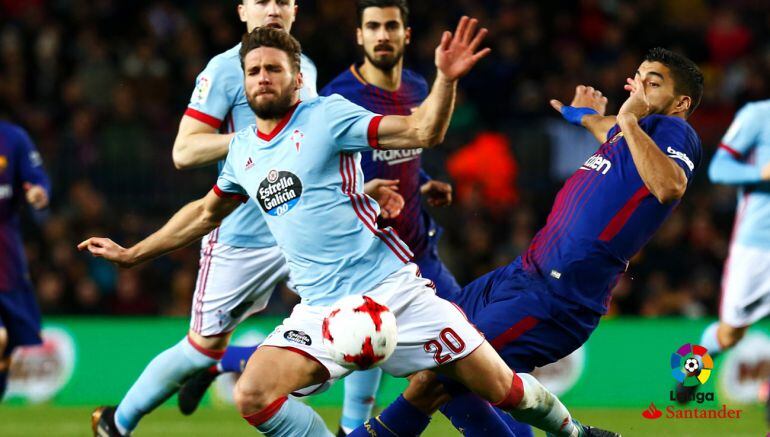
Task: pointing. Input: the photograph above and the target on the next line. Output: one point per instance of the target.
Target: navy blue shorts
(20, 316)
(527, 324)
(432, 268)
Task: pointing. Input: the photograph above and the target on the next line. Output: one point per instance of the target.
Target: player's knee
(728, 335)
(251, 397)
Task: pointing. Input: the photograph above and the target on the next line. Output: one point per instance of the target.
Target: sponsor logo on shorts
(298, 337)
(279, 192)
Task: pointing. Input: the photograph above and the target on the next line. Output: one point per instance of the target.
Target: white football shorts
(745, 286)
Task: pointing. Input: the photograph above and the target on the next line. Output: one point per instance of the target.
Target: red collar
(281, 124)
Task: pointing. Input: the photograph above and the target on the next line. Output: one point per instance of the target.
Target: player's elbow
(427, 140)
(181, 159)
(671, 192)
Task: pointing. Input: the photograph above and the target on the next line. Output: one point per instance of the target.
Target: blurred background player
(22, 180)
(240, 264)
(743, 160)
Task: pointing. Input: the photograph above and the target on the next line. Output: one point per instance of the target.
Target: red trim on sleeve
(237, 196)
(371, 132)
(622, 216)
(267, 413)
(736, 154)
(215, 354)
(203, 117)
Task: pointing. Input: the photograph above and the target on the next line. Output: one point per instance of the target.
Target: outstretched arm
(193, 221)
(426, 127)
(587, 110)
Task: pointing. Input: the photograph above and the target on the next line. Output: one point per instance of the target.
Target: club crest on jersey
(279, 192)
(296, 138)
(393, 157)
(597, 162)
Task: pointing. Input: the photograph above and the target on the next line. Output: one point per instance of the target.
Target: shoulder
(14, 133)
(344, 81)
(414, 79)
(657, 122)
(755, 109)
(227, 63)
(305, 61)
(242, 137)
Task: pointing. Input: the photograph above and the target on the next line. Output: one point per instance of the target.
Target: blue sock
(3, 383)
(709, 340)
(517, 428)
(399, 419)
(159, 380)
(474, 416)
(235, 358)
(360, 391)
(294, 419)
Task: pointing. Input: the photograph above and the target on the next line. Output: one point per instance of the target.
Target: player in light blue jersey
(240, 264)
(743, 160)
(301, 163)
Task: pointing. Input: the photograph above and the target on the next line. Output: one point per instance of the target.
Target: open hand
(585, 97)
(385, 192)
(109, 250)
(437, 193)
(456, 54)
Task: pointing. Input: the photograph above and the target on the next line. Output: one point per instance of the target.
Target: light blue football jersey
(744, 150)
(219, 101)
(307, 179)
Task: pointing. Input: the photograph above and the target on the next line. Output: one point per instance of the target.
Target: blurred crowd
(101, 86)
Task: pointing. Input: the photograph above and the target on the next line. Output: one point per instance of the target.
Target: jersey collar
(281, 124)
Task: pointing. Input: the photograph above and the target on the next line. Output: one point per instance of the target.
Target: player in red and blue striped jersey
(546, 304)
(381, 84)
(22, 180)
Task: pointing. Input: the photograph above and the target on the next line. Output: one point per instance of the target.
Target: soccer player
(240, 264)
(546, 304)
(743, 160)
(22, 180)
(309, 190)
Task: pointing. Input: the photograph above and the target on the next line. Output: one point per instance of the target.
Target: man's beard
(385, 63)
(274, 109)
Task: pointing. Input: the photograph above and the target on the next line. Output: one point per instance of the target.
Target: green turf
(167, 422)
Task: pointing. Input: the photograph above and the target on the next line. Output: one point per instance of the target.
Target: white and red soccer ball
(359, 333)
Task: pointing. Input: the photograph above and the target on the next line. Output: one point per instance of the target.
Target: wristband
(575, 115)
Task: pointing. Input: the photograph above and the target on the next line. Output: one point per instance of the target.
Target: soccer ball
(691, 365)
(359, 333)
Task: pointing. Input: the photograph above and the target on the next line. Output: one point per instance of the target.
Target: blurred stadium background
(101, 86)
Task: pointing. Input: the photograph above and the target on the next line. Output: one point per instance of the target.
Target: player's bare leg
(521, 395)
(261, 393)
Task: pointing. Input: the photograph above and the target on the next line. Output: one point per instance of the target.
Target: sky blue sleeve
(729, 164)
(352, 127)
(227, 183)
(672, 137)
(214, 93)
(743, 133)
(309, 78)
(30, 163)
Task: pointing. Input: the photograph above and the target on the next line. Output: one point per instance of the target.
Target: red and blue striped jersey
(413, 224)
(604, 214)
(19, 163)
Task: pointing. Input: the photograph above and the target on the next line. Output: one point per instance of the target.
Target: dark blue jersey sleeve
(30, 163)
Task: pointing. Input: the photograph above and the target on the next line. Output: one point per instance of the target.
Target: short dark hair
(400, 4)
(269, 37)
(688, 79)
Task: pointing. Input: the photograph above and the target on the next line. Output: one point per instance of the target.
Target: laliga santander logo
(691, 365)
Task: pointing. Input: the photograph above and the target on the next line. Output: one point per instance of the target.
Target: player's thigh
(273, 371)
(233, 283)
(483, 372)
(433, 269)
(745, 286)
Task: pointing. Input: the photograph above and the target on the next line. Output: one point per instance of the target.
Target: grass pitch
(52, 421)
